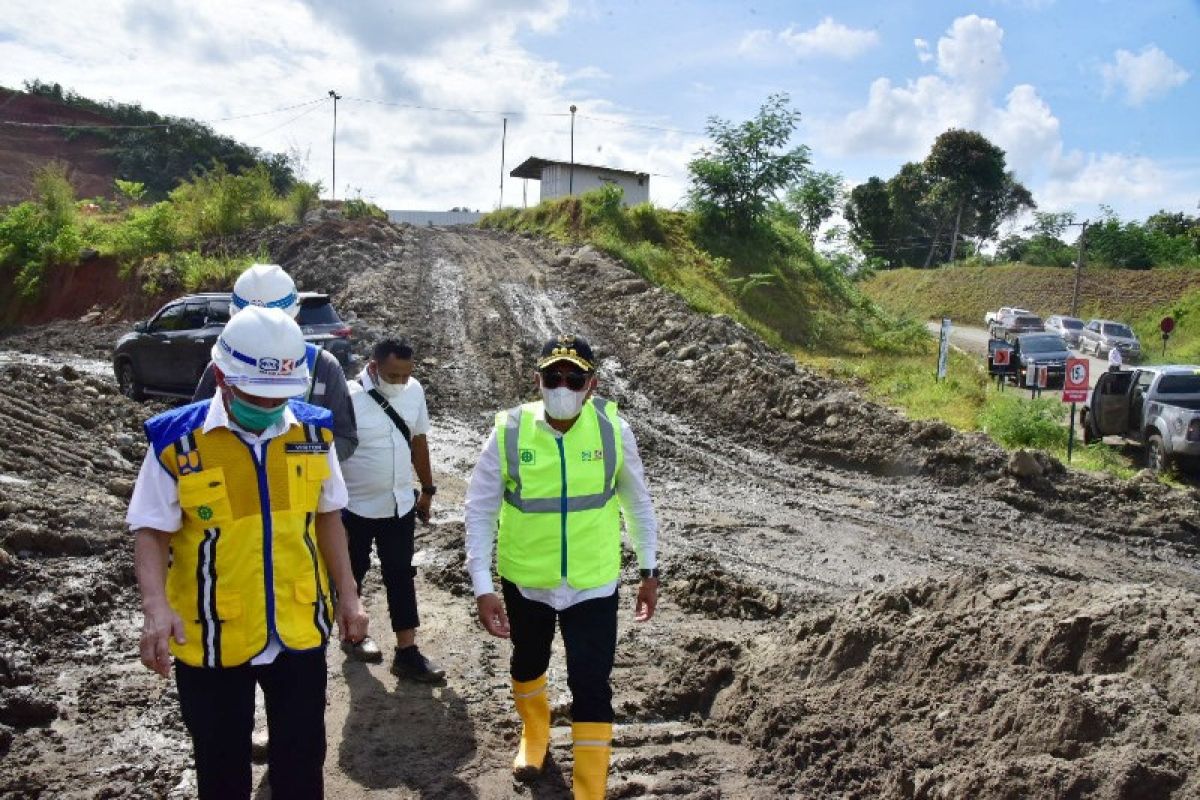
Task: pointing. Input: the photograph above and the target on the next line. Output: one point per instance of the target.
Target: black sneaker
(410, 664)
(366, 651)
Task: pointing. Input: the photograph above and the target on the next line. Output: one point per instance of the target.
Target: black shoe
(366, 651)
(410, 664)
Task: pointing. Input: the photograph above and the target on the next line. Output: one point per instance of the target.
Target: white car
(993, 317)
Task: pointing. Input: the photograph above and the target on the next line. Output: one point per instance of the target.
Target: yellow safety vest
(246, 561)
(560, 517)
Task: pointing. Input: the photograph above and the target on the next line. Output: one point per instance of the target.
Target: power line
(487, 112)
(74, 126)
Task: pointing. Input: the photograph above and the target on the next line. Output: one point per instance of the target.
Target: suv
(1066, 327)
(167, 354)
(1100, 336)
(1040, 350)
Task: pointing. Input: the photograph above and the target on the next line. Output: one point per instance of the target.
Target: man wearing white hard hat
(269, 286)
(241, 560)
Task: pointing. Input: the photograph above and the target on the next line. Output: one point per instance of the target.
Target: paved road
(975, 341)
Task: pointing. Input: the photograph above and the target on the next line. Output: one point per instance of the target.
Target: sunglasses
(574, 380)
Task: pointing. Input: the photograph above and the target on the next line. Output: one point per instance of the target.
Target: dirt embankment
(856, 605)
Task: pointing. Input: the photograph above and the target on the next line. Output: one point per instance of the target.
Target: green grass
(1184, 345)
(965, 294)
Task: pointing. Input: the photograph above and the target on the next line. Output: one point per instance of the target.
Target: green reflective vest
(560, 516)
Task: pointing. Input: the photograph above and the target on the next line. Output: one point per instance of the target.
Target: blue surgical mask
(252, 417)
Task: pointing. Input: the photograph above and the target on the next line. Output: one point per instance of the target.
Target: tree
(735, 179)
(814, 199)
(970, 179)
(869, 215)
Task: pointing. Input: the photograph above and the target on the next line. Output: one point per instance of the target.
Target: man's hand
(159, 623)
(647, 600)
(351, 618)
(424, 501)
(492, 616)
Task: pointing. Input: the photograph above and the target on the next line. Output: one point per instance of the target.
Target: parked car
(1031, 350)
(1101, 335)
(1066, 327)
(1157, 408)
(167, 354)
(1015, 323)
(993, 317)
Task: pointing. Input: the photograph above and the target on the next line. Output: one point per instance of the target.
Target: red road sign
(1075, 382)
(1000, 356)
(1167, 325)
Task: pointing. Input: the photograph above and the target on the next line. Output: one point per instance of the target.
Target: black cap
(568, 347)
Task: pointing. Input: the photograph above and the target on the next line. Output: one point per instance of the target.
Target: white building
(561, 178)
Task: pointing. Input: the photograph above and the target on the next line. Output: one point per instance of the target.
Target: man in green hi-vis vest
(547, 495)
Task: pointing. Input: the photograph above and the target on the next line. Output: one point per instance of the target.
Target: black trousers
(218, 710)
(393, 536)
(589, 632)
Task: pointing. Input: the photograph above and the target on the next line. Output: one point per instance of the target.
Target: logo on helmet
(276, 366)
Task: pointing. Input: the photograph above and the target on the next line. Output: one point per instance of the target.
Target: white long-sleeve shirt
(485, 493)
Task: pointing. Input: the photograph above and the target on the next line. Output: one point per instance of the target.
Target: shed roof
(532, 168)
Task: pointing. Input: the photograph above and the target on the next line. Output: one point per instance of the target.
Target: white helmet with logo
(262, 352)
(265, 285)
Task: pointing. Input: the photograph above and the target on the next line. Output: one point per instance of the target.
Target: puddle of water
(12, 479)
(89, 366)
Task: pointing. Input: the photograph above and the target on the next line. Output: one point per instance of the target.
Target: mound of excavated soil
(854, 605)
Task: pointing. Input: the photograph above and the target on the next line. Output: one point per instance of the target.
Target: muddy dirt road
(856, 605)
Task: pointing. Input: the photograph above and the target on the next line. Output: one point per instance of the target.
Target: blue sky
(1094, 102)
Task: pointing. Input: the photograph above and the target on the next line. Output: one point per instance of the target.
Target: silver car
(1100, 336)
(1066, 327)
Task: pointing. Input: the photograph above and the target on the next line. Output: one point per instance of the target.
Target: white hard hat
(265, 285)
(262, 352)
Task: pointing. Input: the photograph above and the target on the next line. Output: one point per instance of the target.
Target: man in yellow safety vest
(547, 495)
(241, 560)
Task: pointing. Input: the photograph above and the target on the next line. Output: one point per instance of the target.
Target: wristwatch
(430, 490)
(649, 573)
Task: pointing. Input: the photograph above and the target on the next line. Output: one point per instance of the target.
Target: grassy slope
(774, 284)
(1140, 297)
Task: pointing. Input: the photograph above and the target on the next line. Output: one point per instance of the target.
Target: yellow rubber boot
(593, 747)
(533, 705)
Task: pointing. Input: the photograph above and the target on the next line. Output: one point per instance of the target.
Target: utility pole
(333, 187)
(571, 179)
(503, 137)
(1078, 269)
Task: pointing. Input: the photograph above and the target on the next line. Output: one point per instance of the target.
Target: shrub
(358, 208)
(1016, 422)
(146, 231)
(303, 198)
(35, 235)
(190, 271)
(218, 204)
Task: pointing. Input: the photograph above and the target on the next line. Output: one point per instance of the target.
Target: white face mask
(389, 389)
(562, 403)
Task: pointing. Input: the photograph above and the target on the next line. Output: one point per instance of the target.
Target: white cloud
(384, 58)
(828, 39)
(923, 54)
(1142, 77)
(902, 121)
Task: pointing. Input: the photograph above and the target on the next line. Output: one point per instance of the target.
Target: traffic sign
(1000, 356)
(1166, 325)
(1075, 381)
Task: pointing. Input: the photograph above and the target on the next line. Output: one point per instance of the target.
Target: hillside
(126, 141)
(965, 294)
(24, 149)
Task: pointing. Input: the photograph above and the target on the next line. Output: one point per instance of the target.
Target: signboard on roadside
(943, 348)
(1076, 381)
(1002, 356)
